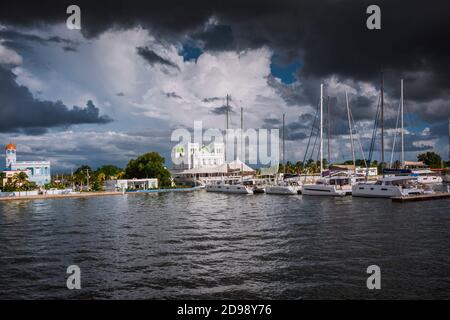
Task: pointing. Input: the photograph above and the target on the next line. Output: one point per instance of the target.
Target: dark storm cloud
(16, 36)
(271, 122)
(211, 99)
(153, 58)
(21, 112)
(440, 129)
(298, 129)
(328, 37)
(216, 38)
(414, 36)
(69, 49)
(293, 136)
(173, 95)
(222, 110)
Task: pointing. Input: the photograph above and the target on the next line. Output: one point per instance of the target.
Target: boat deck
(422, 197)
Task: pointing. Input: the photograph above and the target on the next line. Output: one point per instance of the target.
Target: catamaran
(281, 186)
(228, 187)
(336, 183)
(426, 176)
(284, 188)
(388, 186)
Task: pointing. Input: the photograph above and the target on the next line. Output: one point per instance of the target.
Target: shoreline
(93, 194)
(62, 196)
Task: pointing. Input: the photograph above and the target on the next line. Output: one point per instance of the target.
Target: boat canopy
(398, 178)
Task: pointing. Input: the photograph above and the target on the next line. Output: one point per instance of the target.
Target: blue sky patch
(286, 72)
(190, 52)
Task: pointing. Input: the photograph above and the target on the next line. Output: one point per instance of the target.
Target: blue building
(37, 171)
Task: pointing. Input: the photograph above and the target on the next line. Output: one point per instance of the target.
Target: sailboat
(283, 187)
(416, 169)
(336, 184)
(229, 185)
(391, 186)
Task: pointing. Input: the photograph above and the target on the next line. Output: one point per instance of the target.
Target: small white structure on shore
(37, 171)
(136, 184)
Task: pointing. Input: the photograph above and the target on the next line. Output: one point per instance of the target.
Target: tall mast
(402, 132)
(449, 139)
(226, 130)
(321, 128)
(242, 129)
(382, 123)
(328, 130)
(284, 141)
(350, 128)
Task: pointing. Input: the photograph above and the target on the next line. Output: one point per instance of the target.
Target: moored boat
(282, 189)
(221, 186)
(388, 187)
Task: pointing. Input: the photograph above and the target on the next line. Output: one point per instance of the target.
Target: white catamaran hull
(287, 190)
(382, 191)
(227, 188)
(325, 190)
(429, 179)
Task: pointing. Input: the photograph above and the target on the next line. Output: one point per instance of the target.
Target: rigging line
(314, 148)
(310, 135)
(374, 132)
(309, 141)
(358, 137)
(395, 135)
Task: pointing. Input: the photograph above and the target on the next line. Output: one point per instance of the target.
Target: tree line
(148, 165)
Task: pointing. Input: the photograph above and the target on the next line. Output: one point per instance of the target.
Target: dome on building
(11, 146)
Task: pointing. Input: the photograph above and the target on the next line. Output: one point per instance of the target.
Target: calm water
(203, 245)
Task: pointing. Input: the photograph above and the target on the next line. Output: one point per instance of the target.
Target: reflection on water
(204, 245)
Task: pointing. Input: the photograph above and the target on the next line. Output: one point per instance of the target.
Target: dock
(423, 197)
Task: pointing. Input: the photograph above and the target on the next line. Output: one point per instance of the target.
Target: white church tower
(10, 155)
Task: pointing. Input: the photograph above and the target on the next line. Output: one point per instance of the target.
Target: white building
(37, 171)
(192, 156)
(136, 184)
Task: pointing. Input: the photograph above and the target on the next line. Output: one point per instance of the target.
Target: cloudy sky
(137, 70)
